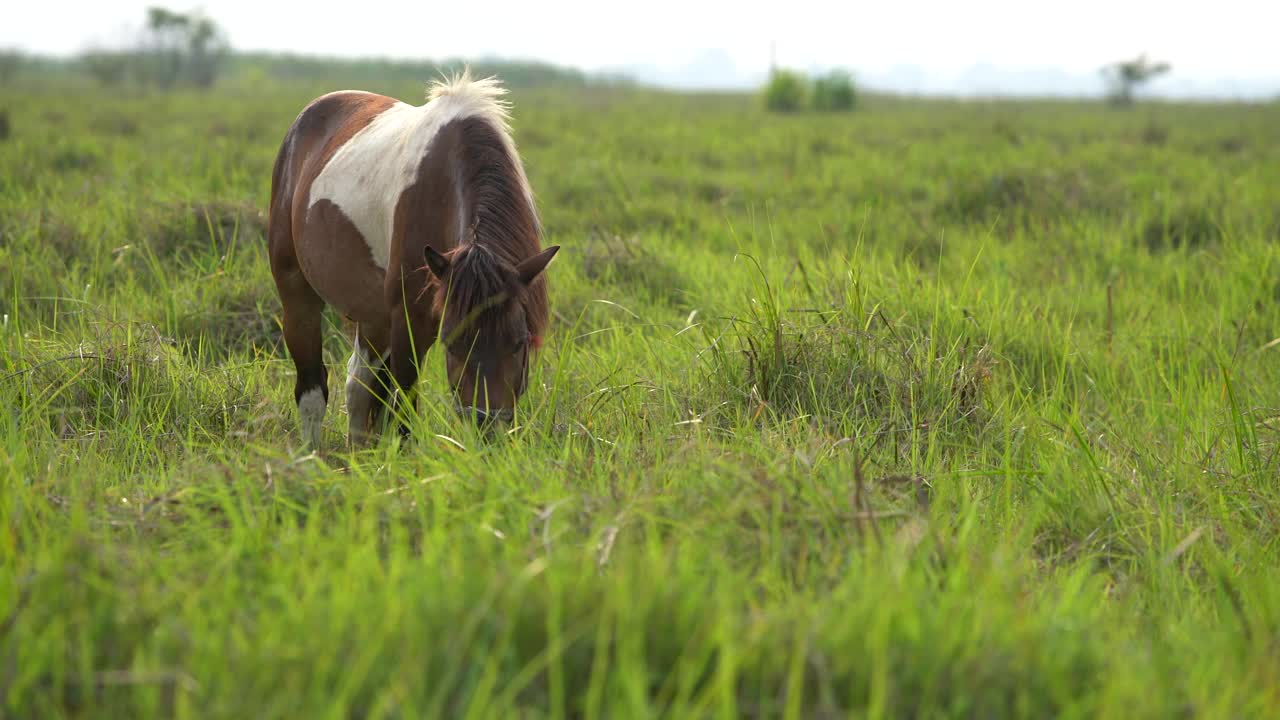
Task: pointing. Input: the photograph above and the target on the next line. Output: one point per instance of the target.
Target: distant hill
(709, 70)
(987, 80)
(716, 70)
(334, 72)
(370, 72)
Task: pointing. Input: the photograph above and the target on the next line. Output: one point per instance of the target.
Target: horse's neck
(495, 203)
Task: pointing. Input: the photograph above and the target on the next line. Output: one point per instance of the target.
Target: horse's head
(480, 301)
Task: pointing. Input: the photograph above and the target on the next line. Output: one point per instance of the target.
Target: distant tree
(785, 91)
(163, 43)
(1125, 77)
(11, 61)
(834, 91)
(207, 50)
(173, 48)
(182, 48)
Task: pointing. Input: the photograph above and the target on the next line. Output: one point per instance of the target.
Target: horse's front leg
(411, 336)
(368, 384)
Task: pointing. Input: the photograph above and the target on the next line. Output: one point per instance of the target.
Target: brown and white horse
(414, 222)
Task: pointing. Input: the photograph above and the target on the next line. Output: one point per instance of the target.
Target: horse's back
(322, 127)
(317, 237)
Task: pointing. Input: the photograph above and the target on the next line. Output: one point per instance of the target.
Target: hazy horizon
(985, 47)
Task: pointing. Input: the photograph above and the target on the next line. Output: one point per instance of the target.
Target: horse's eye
(519, 348)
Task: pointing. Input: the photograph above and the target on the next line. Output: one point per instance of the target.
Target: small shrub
(1024, 196)
(192, 228)
(1231, 144)
(224, 317)
(108, 68)
(834, 92)
(832, 366)
(628, 263)
(121, 380)
(115, 124)
(76, 156)
(1155, 134)
(1006, 130)
(785, 91)
(1190, 227)
(979, 199)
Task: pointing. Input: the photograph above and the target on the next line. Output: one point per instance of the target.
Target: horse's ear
(533, 267)
(438, 263)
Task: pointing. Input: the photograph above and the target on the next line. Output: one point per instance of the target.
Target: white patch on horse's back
(311, 407)
(367, 175)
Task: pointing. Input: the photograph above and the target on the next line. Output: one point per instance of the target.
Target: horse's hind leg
(368, 380)
(303, 312)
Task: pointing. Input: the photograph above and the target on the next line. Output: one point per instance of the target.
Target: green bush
(785, 91)
(834, 91)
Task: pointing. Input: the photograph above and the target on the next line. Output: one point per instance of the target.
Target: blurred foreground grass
(934, 409)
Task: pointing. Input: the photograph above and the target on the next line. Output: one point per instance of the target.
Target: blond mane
(485, 97)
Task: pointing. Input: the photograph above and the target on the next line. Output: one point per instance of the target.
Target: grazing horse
(413, 222)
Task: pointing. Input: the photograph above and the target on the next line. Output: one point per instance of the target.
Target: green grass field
(934, 409)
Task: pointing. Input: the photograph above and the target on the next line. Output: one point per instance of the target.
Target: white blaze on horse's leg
(360, 379)
(311, 408)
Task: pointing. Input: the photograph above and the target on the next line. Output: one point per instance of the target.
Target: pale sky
(1221, 40)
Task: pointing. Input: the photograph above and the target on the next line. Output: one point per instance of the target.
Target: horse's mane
(484, 98)
(501, 227)
(477, 294)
